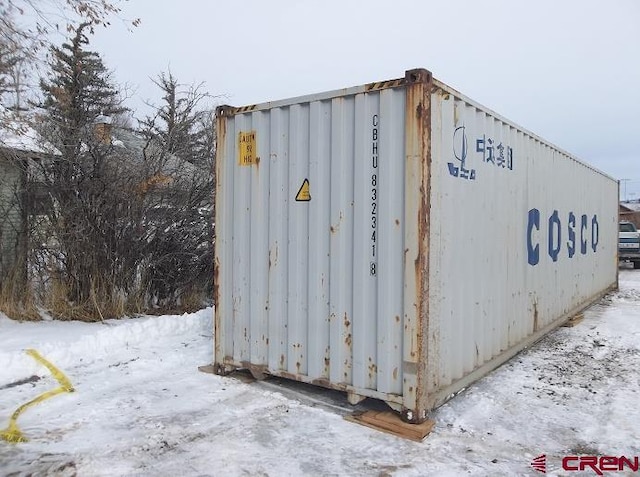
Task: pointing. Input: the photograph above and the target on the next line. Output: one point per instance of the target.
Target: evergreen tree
(86, 183)
(179, 123)
(78, 92)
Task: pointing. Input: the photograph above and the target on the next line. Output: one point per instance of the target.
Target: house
(163, 180)
(630, 211)
(19, 145)
(160, 168)
(12, 213)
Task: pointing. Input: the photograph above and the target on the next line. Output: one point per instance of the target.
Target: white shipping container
(398, 241)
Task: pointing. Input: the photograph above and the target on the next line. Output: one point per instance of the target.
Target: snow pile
(142, 408)
(70, 344)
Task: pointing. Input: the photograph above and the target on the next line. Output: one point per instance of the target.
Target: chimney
(102, 129)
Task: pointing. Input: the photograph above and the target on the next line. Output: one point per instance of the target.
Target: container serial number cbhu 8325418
(373, 265)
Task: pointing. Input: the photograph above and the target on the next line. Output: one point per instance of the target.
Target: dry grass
(188, 303)
(17, 300)
(20, 303)
(99, 307)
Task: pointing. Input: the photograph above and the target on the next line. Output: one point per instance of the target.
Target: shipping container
(398, 240)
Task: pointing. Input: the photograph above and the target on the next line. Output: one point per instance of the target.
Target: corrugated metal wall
(499, 271)
(314, 288)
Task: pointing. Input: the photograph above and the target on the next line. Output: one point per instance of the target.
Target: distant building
(630, 211)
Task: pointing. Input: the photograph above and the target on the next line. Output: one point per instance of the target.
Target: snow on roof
(102, 119)
(635, 206)
(15, 133)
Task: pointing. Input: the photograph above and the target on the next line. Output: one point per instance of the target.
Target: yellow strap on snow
(55, 372)
(13, 433)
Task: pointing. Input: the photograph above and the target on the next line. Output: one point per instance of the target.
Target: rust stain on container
(221, 128)
(335, 228)
(288, 375)
(419, 94)
(373, 369)
(216, 297)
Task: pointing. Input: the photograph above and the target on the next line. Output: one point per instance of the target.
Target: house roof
(135, 147)
(16, 134)
(631, 206)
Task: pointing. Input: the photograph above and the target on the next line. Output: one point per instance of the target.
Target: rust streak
(418, 123)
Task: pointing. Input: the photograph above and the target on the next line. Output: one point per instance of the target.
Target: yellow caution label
(303, 194)
(13, 433)
(247, 148)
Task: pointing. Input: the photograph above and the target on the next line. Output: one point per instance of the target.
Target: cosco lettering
(583, 232)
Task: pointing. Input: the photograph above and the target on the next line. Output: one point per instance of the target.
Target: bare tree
(180, 144)
(30, 22)
(8, 59)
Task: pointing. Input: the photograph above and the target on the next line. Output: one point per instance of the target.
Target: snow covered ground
(142, 408)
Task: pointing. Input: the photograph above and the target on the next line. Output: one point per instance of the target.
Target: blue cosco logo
(585, 234)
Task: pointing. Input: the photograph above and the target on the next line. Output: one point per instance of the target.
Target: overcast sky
(567, 70)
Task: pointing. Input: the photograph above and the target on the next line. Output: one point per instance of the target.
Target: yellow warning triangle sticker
(303, 194)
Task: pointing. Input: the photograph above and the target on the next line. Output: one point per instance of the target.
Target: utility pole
(625, 188)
